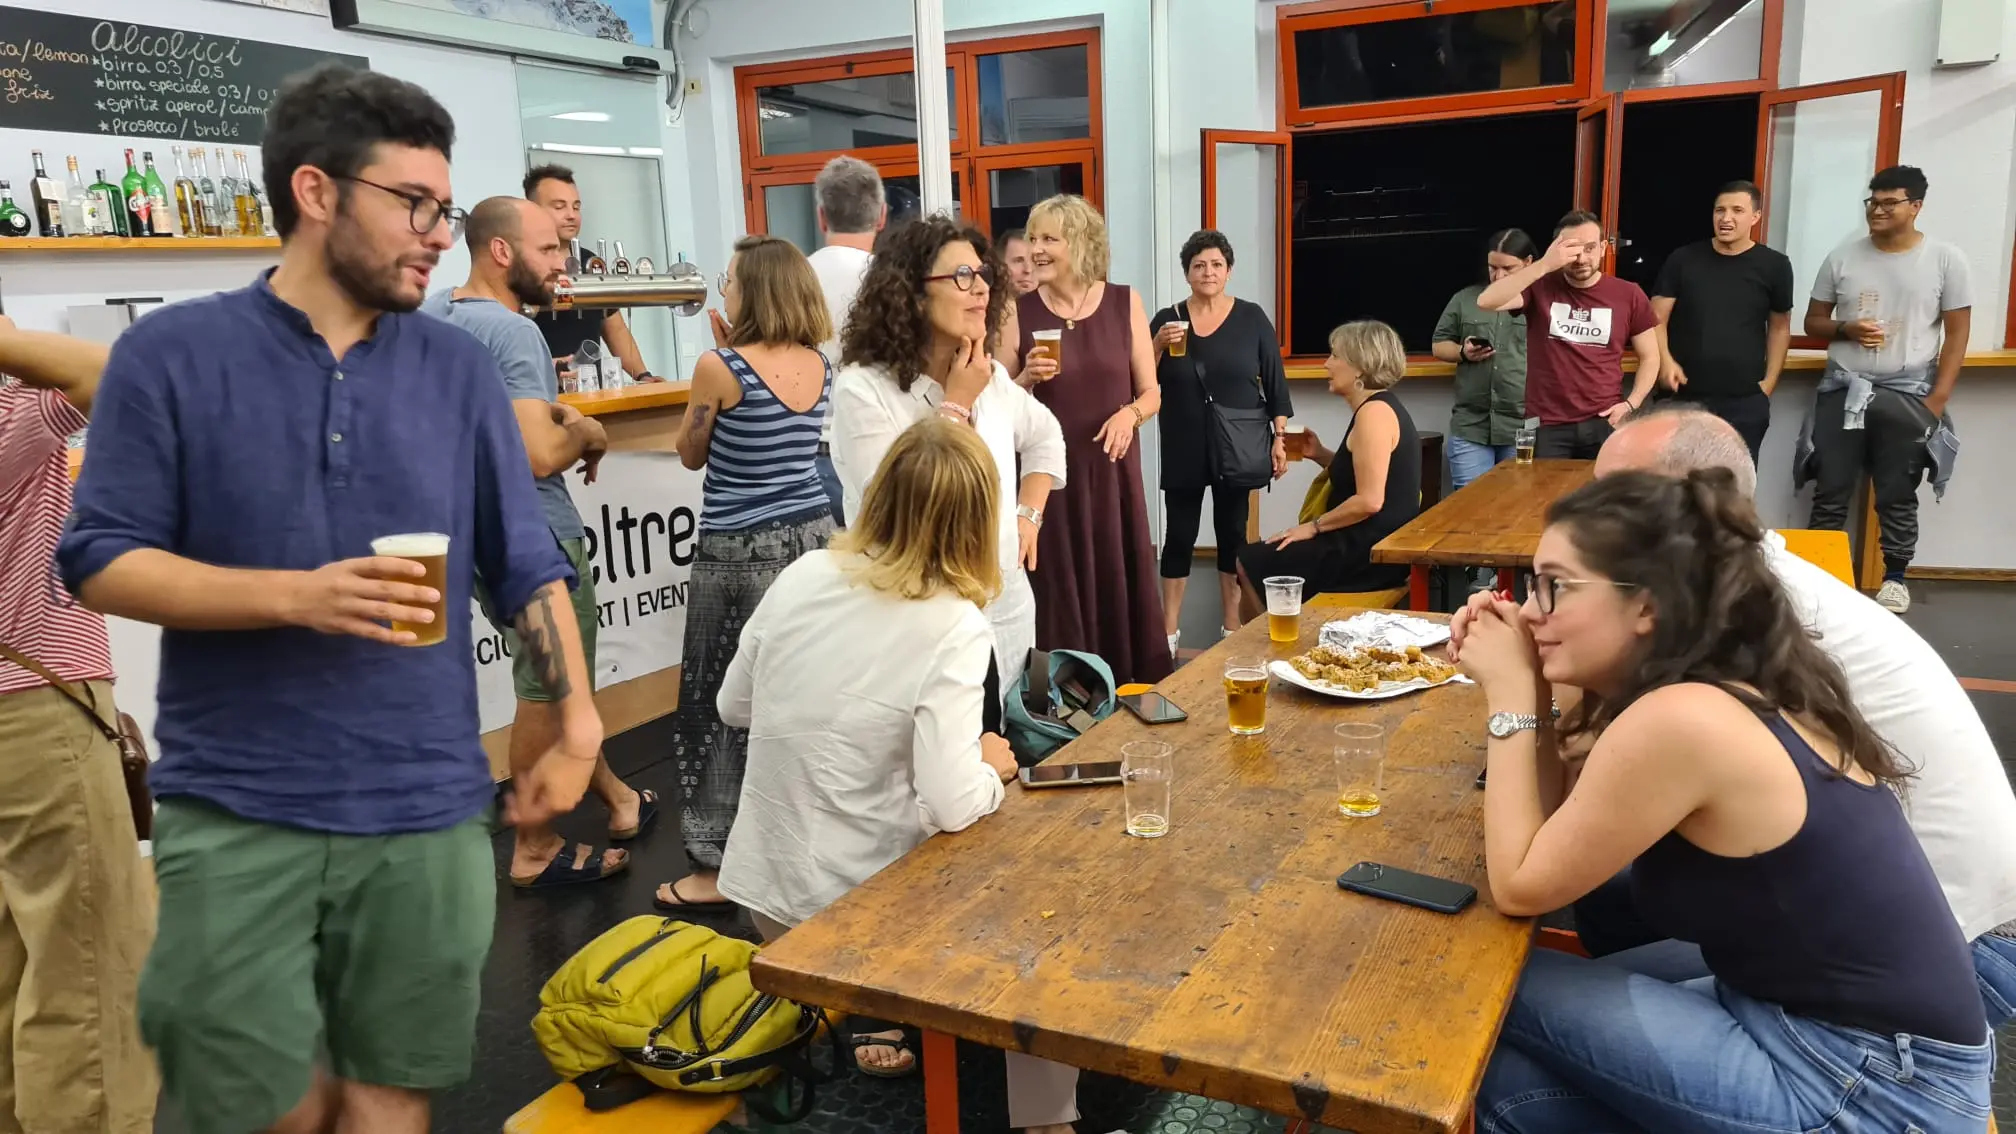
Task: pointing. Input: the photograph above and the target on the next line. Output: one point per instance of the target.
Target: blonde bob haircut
(781, 299)
(1374, 350)
(930, 520)
(1084, 232)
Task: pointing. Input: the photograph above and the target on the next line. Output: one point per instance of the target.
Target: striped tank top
(761, 462)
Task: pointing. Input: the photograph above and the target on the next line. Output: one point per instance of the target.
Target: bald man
(1959, 804)
(515, 259)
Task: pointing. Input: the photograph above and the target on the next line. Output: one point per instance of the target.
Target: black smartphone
(1153, 708)
(1480, 778)
(1395, 884)
(1478, 341)
(1071, 775)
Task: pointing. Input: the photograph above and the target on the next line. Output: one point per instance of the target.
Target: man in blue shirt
(515, 258)
(325, 873)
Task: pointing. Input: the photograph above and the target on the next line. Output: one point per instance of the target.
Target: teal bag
(1058, 697)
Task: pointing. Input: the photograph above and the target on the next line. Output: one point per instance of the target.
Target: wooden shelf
(141, 244)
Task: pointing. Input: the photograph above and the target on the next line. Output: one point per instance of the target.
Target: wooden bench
(1393, 598)
(1828, 551)
(559, 1111)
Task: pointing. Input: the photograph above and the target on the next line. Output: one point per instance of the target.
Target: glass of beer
(1284, 607)
(1050, 342)
(1522, 444)
(1295, 441)
(1246, 695)
(1147, 774)
(429, 550)
(1361, 768)
(1181, 346)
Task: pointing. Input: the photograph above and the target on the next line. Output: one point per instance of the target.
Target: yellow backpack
(672, 1003)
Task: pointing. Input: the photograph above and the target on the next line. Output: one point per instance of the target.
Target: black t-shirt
(1721, 310)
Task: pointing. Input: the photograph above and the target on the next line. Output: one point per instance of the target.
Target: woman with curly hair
(916, 345)
(1098, 588)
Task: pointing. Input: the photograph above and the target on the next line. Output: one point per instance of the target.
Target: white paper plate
(1385, 691)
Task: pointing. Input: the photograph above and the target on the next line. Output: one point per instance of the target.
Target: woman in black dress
(1230, 349)
(1374, 489)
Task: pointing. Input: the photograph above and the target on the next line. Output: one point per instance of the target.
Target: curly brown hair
(1694, 548)
(886, 326)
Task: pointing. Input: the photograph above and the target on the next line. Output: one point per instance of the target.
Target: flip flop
(856, 1043)
(562, 871)
(647, 812)
(679, 902)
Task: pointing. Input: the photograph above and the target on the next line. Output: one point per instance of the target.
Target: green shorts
(524, 682)
(276, 945)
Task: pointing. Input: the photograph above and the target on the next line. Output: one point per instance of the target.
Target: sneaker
(1173, 638)
(1895, 597)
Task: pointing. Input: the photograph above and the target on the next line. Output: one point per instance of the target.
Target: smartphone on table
(1153, 708)
(1407, 887)
(1071, 775)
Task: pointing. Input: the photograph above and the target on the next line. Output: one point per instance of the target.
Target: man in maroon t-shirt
(1577, 323)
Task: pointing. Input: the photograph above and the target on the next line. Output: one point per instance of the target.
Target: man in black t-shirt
(1725, 318)
(552, 188)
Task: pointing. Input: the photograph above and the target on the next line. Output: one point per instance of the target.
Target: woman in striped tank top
(753, 424)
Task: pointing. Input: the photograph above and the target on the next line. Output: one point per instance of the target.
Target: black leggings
(1186, 509)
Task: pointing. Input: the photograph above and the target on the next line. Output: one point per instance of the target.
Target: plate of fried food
(1365, 673)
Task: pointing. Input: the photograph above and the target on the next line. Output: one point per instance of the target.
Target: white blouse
(863, 711)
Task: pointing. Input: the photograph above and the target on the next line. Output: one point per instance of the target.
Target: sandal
(563, 871)
(900, 1044)
(679, 904)
(647, 812)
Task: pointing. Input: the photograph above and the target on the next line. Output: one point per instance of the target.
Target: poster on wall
(619, 21)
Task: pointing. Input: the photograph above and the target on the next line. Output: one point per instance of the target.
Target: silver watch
(1033, 515)
(1503, 725)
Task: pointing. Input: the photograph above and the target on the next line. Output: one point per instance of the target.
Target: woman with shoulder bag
(1224, 407)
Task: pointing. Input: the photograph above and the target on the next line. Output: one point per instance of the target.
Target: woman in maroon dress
(1096, 576)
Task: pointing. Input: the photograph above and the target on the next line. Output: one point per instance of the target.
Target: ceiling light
(1660, 46)
(566, 148)
(581, 116)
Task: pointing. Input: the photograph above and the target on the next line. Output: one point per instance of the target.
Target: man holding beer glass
(327, 888)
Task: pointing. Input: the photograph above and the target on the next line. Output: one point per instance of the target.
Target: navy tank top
(761, 462)
(1844, 923)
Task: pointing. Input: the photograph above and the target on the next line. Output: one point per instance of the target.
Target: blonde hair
(1084, 233)
(1374, 349)
(930, 520)
(781, 299)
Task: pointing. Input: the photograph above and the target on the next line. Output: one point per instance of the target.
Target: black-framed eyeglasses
(1878, 205)
(1547, 588)
(963, 276)
(427, 212)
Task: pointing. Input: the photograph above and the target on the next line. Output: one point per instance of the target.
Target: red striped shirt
(37, 615)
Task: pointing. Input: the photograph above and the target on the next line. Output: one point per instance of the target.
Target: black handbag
(1240, 441)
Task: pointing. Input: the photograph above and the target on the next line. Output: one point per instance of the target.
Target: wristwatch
(1033, 515)
(1502, 726)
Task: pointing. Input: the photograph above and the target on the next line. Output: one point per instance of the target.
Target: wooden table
(1494, 521)
(1220, 959)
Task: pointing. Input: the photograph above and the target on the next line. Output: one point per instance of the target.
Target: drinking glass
(587, 367)
(1523, 440)
(1360, 755)
(1284, 607)
(1246, 694)
(1147, 772)
(1050, 342)
(429, 550)
(1181, 347)
(1295, 441)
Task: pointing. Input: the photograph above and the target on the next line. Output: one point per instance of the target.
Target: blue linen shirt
(224, 431)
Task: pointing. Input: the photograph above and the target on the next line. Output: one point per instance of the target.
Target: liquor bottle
(265, 206)
(80, 207)
(622, 265)
(139, 206)
(251, 216)
(111, 207)
(157, 199)
(206, 192)
(224, 204)
(597, 264)
(47, 199)
(189, 208)
(13, 222)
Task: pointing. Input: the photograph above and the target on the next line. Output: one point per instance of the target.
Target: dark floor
(536, 932)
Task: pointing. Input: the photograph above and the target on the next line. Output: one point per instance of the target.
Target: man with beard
(1577, 323)
(515, 258)
(327, 890)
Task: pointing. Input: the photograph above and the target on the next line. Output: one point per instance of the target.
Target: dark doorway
(1676, 155)
(1392, 220)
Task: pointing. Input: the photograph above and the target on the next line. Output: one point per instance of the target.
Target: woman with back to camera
(860, 679)
(1832, 989)
(915, 347)
(1232, 360)
(1096, 585)
(1489, 350)
(1374, 490)
(753, 423)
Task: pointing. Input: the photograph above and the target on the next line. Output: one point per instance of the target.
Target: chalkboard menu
(86, 76)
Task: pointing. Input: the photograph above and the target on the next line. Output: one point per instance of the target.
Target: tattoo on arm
(539, 636)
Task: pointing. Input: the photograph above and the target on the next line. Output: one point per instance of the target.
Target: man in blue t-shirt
(515, 258)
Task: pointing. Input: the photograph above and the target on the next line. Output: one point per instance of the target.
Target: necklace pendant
(1070, 324)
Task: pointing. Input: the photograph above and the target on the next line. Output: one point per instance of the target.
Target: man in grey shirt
(1897, 306)
(515, 259)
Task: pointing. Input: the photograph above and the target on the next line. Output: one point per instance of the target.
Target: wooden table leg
(1417, 588)
(941, 1083)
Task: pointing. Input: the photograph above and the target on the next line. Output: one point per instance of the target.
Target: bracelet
(955, 410)
(1140, 419)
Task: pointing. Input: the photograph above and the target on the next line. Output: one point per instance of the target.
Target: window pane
(1681, 43)
(844, 114)
(1012, 192)
(905, 196)
(1822, 153)
(1501, 49)
(1035, 96)
(1249, 195)
(791, 213)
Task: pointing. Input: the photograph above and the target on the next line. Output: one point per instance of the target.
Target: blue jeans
(1601, 1047)
(1468, 460)
(829, 479)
